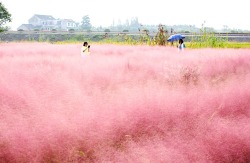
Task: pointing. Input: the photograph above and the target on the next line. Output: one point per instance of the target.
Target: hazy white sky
(216, 13)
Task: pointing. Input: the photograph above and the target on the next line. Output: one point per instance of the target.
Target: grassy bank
(206, 40)
(234, 45)
(190, 45)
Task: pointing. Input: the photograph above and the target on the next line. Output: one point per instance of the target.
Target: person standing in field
(181, 45)
(85, 49)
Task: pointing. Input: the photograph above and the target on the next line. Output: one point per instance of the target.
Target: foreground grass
(123, 104)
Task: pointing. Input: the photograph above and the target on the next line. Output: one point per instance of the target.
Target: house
(26, 27)
(66, 24)
(46, 22)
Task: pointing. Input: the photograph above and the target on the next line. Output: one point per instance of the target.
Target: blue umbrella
(175, 37)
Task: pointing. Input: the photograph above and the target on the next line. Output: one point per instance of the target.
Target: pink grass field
(123, 104)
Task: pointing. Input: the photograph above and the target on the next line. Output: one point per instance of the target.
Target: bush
(107, 30)
(36, 30)
(4, 29)
(53, 30)
(208, 39)
(125, 30)
(71, 30)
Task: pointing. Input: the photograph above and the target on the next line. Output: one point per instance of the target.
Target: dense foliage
(5, 17)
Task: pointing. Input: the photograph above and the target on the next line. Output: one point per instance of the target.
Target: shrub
(71, 30)
(107, 30)
(36, 30)
(53, 30)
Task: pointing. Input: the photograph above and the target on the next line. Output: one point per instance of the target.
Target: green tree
(5, 17)
(86, 25)
(160, 38)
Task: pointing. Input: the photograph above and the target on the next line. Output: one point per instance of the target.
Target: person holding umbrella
(175, 37)
(181, 45)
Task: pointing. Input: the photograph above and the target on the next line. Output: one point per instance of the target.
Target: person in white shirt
(181, 46)
(85, 49)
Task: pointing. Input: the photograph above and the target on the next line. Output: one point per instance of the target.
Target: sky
(215, 13)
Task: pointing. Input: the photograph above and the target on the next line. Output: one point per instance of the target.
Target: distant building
(26, 27)
(45, 22)
(67, 24)
(48, 23)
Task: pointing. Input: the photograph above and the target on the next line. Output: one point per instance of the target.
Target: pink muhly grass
(123, 104)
